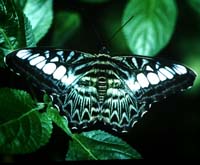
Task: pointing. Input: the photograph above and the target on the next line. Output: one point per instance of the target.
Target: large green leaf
(15, 29)
(23, 128)
(99, 145)
(151, 27)
(40, 14)
(65, 25)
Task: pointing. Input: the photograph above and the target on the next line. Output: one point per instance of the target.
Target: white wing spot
(153, 78)
(55, 59)
(37, 60)
(179, 69)
(67, 80)
(49, 68)
(170, 70)
(60, 53)
(142, 80)
(46, 53)
(161, 76)
(148, 68)
(144, 62)
(157, 65)
(166, 73)
(59, 73)
(23, 54)
(71, 54)
(33, 56)
(134, 86)
(135, 62)
(41, 64)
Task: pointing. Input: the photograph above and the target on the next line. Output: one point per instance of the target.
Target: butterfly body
(88, 88)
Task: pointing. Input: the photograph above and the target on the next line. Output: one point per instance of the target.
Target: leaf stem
(7, 41)
(83, 146)
(40, 106)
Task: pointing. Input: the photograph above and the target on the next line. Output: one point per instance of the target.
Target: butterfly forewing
(88, 88)
(51, 70)
(152, 79)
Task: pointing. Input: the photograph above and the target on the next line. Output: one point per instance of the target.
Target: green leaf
(21, 3)
(151, 27)
(30, 39)
(59, 120)
(23, 128)
(66, 24)
(40, 14)
(190, 50)
(195, 4)
(99, 145)
(15, 29)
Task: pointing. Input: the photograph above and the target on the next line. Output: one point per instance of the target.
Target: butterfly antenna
(99, 36)
(118, 30)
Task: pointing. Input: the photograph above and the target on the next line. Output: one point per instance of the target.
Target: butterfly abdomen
(102, 88)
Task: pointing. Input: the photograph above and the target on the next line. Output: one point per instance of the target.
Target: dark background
(171, 127)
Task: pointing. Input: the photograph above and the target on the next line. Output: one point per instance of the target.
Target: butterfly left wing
(59, 73)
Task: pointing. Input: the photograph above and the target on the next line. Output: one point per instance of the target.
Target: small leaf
(59, 120)
(40, 14)
(9, 25)
(23, 128)
(151, 27)
(15, 30)
(99, 145)
(66, 24)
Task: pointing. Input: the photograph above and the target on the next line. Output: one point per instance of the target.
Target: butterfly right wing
(152, 79)
(138, 82)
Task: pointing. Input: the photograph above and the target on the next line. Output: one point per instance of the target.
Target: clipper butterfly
(87, 88)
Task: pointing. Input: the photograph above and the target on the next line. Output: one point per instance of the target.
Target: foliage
(151, 28)
(27, 125)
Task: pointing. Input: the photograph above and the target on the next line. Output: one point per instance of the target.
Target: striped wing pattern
(88, 88)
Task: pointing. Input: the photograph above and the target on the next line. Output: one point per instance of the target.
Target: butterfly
(91, 88)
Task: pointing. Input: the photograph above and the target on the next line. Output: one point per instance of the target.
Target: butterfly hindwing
(80, 106)
(88, 88)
